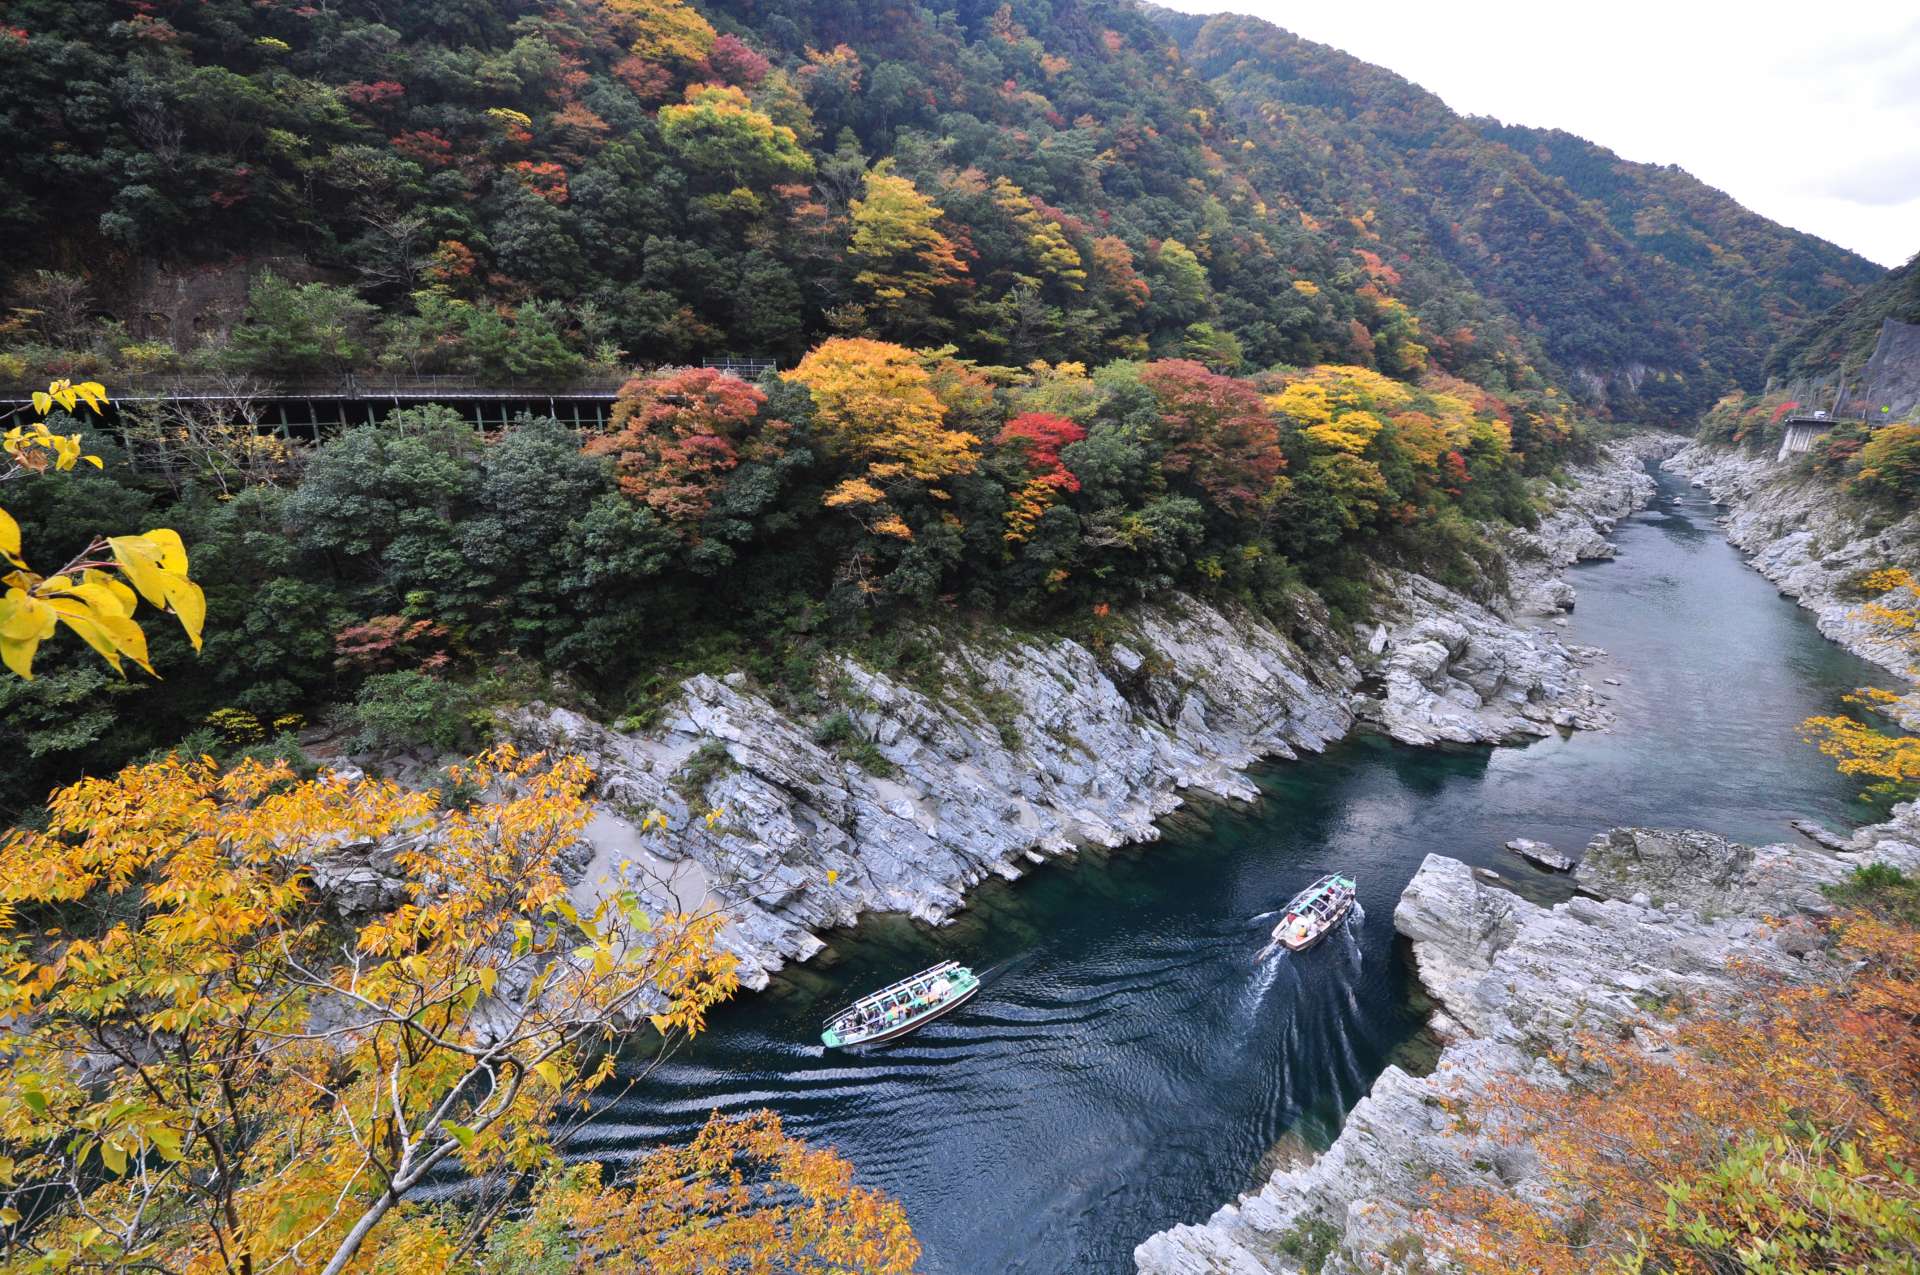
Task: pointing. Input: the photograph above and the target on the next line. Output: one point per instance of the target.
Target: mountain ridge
(677, 182)
(1649, 269)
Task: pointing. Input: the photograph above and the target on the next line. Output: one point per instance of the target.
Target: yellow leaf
(139, 557)
(18, 656)
(25, 618)
(116, 587)
(173, 554)
(42, 402)
(99, 591)
(190, 605)
(10, 539)
(549, 1071)
(156, 563)
(77, 616)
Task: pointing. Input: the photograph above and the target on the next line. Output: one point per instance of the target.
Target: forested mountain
(522, 187)
(1845, 335)
(1639, 280)
(1077, 311)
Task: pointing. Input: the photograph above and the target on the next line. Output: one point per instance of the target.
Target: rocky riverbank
(1806, 536)
(908, 791)
(1676, 914)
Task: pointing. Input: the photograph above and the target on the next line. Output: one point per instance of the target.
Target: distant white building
(1802, 429)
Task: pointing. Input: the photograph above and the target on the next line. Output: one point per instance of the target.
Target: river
(1127, 1065)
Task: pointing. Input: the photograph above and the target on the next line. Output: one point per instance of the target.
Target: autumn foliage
(903, 256)
(675, 436)
(741, 1195)
(1219, 434)
(1775, 1134)
(229, 1072)
(1891, 760)
(97, 592)
(1037, 438)
(874, 404)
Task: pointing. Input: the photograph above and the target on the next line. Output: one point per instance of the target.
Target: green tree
(718, 131)
(293, 328)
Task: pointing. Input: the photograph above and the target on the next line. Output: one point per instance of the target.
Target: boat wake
(993, 972)
(1266, 974)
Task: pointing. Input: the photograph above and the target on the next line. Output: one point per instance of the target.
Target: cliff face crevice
(1017, 750)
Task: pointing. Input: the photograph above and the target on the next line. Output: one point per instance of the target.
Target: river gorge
(1128, 1066)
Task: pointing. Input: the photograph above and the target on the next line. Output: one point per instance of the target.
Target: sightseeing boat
(906, 1005)
(1314, 912)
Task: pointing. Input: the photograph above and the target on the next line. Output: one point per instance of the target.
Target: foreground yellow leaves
(216, 1070)
(68, 395)
(764, 1201)
(86, 598)
(90, 594)
(38, 448)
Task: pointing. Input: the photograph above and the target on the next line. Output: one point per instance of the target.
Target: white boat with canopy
(900, 1008)
(1314, 912)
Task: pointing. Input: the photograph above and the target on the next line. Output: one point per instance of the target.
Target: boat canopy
(1323, 898)
(933, 984)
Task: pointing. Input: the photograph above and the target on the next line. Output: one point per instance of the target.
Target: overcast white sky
(1808, 113)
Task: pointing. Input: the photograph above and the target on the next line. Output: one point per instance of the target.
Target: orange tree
(1891, 761)
(208, 1069)
(676, 436)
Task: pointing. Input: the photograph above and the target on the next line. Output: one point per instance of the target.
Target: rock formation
(1019, 749)
(1541, 854)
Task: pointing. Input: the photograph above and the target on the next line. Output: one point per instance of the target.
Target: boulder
(1457, 925)
(1539, 852)
(1818, 834)
(1703, 872)
(1458, 672)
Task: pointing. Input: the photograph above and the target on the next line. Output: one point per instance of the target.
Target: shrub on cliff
(409, 709)
(1776, 1133)
(1890, 465)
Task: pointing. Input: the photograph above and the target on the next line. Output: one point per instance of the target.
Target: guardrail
(360, 385)
(348, 387)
